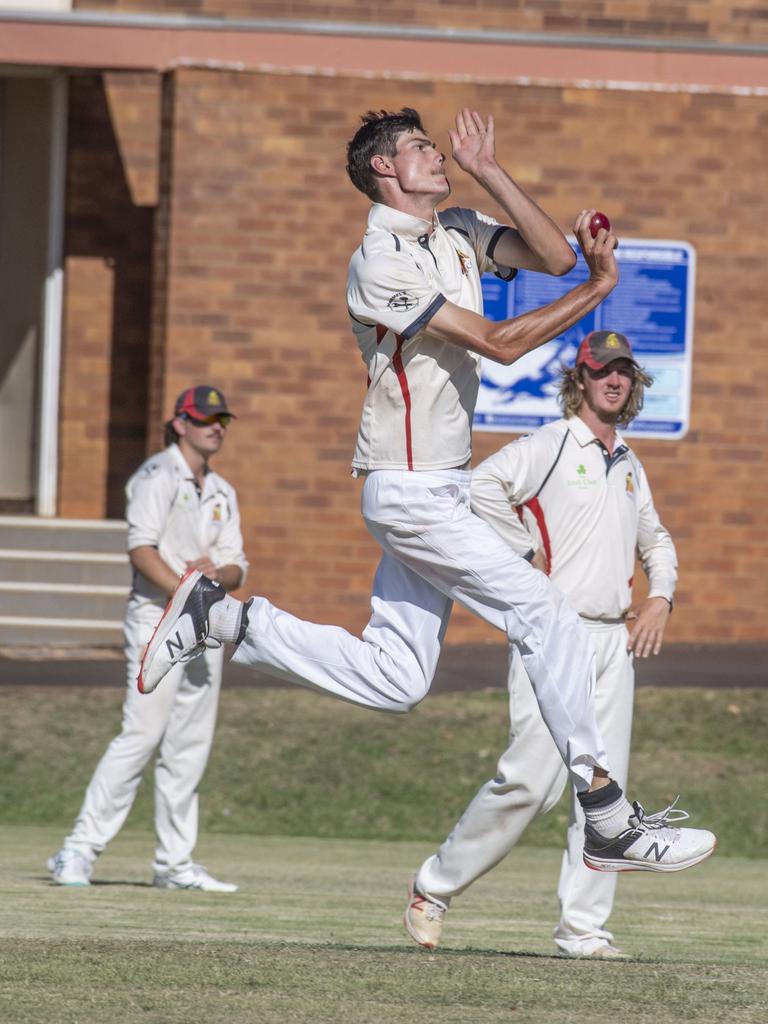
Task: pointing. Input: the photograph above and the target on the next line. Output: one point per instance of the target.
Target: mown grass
(321, 812)
(314, 936)
(290, 762)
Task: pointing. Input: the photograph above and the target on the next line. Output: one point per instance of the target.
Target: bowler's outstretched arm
(536, 242)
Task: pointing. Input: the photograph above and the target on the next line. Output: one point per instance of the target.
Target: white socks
(225, 619)
(611, 820)
(607, 810)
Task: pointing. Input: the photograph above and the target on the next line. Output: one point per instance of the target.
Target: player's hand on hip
(598, 252)
(473, 142)
(539, 560)
(647, 632)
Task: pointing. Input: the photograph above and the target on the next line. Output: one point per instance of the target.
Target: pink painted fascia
(160, 49)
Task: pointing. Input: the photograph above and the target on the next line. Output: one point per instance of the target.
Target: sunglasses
(623, 369)
(222, 418)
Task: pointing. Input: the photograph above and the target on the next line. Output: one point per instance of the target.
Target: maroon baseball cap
(601, 347)
(200, 402)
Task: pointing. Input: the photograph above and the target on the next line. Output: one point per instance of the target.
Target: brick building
(174, 209)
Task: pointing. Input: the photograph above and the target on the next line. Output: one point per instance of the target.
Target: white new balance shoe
(423, 918)
(650, 843)
(70, 867)
(182, 633)
(193, 877)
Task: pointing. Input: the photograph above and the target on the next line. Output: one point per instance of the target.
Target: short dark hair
(169, 433)
(378, 134)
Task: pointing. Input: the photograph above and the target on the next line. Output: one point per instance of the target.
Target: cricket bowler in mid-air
(415, 307)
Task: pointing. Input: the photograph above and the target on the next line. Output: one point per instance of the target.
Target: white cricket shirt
(166, 510)
(422, 392)
(590, 513)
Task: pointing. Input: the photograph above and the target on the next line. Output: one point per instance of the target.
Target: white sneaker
(423, 918)
(70, 867)
(193, 877)
(605, 952)
(651, 843)
(182, 633)
(608, 952)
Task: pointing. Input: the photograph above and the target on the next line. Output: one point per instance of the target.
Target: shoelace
(196, 874)
(660, 821)
(207, 641)
(432, 911)
(66, 856)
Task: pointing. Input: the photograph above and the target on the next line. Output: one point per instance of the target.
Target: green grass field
(290, 762)
(321, 812)
(314, 936)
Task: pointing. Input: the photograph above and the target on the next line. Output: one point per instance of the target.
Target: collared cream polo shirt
(422, 392)
(591, 513)
(166, 510)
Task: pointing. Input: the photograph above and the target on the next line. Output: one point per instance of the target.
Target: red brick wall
(719, 20)
(110, 199)
(85, 375)
(258, 222)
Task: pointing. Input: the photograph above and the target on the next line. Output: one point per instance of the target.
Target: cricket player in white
(576, 499)
(180, 514)
(415, 304)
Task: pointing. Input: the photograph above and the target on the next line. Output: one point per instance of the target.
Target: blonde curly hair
(570, 395)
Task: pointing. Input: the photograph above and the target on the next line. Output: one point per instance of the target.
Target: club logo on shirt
(630, 484)
(465, 261)
(582, 480)
(401, 302)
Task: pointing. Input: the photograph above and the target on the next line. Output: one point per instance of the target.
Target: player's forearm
(657, 552)
(148, 562)
(506, 341)
(229, 576)
(543, 237)
(662, 576)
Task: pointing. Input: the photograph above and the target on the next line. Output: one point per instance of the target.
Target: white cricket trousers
(436, 551)
(530, 779)
(180, 718)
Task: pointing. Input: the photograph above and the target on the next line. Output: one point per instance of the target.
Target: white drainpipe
(48, 439)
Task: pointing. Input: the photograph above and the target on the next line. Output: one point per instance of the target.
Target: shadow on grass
(407, 950)
(431, 955)
(95, 883)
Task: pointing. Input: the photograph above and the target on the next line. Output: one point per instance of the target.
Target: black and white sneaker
(650, 843)
(182, 633)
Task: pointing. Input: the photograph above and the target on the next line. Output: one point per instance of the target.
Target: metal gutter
(196, 23)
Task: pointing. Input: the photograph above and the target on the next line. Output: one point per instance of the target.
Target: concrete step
(64, 567)
(63, 600)
(62, 582)
(29, 533)
(34, 632)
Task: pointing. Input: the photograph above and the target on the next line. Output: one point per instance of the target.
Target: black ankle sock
(243, 622)
(601, 797)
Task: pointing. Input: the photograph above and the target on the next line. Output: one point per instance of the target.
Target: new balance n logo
(174, 643)
(657, 853)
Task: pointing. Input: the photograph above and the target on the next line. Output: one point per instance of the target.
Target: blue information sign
(652, 305)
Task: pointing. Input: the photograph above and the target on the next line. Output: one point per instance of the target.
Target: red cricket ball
(599, 220)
